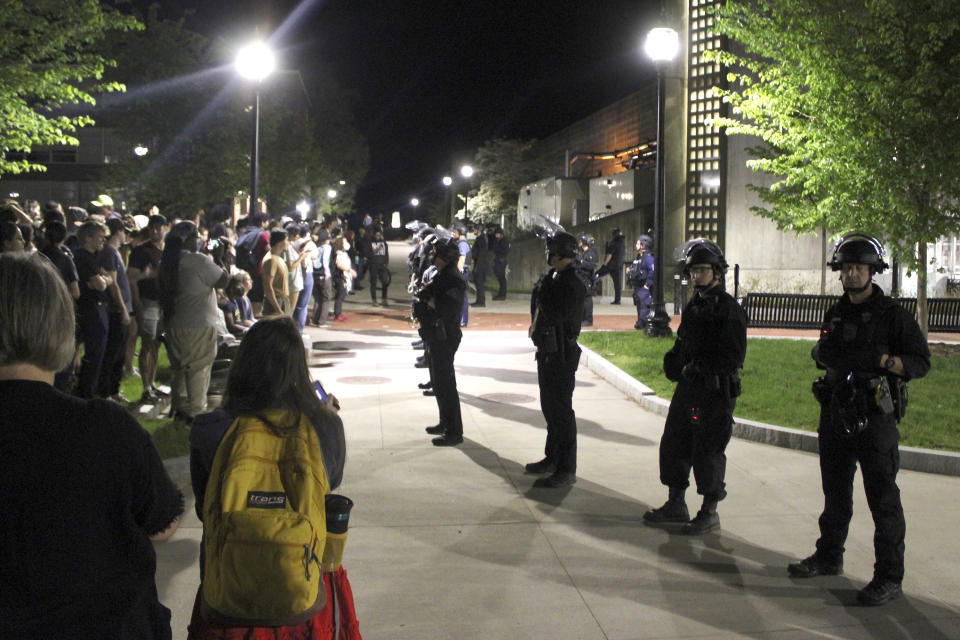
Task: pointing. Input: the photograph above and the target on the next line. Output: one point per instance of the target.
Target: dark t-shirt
(82, 488)
(88, 265)
(62, 261)
(111, 260)
(141, 257)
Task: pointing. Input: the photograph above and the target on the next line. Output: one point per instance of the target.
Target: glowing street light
(255, 62)
(332, 193)
(140, 150)
(415, 202)
(466, 171)
(303, 207)
(447, 181)
(661, 46)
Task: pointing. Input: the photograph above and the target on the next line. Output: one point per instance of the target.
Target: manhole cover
(507, 398)
(363, 380)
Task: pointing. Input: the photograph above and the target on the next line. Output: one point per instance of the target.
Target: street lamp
(140, 150)
(661, 46)
(414, 202)
(303, 208)
(332, 193)
(467, 172)
(255, 62)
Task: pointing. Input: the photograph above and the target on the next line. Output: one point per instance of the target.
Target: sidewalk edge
(912, 458)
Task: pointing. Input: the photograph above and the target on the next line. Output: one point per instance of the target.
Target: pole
(255, 155)
(658, 323)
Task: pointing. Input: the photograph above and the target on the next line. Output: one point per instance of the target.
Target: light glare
(255, 61)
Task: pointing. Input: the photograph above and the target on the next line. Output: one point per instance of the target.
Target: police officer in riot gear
(437, 307)
(640, 277)
(613, 264)
(704, 361)
(870, 347)
(556, 309)
(586, 267)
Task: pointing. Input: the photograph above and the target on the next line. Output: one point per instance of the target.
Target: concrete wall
(770, 260)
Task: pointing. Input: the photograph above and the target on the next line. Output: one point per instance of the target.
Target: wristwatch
(889, 363)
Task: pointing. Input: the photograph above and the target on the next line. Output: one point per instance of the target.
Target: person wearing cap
(870, 347)
(640, 275)
(704, 362)
(119, 311)
(142, 269)
(556, 311)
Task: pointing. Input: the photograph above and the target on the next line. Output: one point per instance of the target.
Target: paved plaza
(454, 542)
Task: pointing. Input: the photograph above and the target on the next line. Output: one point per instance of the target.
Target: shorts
(148, 320)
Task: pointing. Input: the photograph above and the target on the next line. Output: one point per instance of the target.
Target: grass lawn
(170, 436)
(776, 384)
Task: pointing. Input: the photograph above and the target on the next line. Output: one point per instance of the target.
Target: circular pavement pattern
(507, 398)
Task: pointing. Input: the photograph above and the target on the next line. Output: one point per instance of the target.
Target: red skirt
(322, 626)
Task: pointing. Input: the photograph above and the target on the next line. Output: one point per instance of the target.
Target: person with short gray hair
(84, 489)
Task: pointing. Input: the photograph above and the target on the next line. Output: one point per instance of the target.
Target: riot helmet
(700, 251)
(562, 245)
(587, 239)
(447, 250)
(646, 241)
(858, 248)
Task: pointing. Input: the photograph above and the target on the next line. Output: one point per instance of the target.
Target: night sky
(431, 81)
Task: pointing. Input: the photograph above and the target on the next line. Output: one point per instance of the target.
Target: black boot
(705, 521)
(674, 510)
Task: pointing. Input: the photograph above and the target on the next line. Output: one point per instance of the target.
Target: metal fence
(803, 311)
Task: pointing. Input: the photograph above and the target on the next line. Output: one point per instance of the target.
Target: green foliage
(503, 167)
(50, 62)
(776, 384)
(856, 103)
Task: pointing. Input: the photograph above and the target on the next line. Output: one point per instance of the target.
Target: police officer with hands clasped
(437, 307)
(556, 309)
(704, 361)
(870, 347)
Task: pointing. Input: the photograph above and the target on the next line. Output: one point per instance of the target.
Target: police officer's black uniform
(501, 250)
(861, 403)
(440, 329)
(704, 361)
(556, 310)
(613, 264)
(589, 260)
(480, 252)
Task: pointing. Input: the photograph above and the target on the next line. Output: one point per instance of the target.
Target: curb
(912, 458)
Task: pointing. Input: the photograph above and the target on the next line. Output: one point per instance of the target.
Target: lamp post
(467, 172)
(661, 46)
(255, 62)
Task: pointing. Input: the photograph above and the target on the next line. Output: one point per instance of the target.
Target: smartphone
(321, 392)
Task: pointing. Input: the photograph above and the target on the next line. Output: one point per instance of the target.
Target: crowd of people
(195, 283)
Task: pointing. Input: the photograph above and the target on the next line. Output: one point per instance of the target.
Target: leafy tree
(857, 104)
(50, 60)
(503, 167)
(195, 115)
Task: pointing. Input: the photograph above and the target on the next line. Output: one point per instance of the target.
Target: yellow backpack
(264, 525)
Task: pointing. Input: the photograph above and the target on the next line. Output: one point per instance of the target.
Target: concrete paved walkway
(454, 543)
